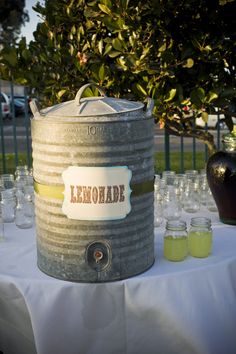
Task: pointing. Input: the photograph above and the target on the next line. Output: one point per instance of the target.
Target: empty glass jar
(21, 174)
(168, 177)
(158, 211)
(23, 214)
(158, 202)
(8, 205)
(190, 199)
(7, 181)
(172, 209)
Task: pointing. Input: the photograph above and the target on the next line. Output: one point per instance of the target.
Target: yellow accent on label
(44, 190)
(56, 191)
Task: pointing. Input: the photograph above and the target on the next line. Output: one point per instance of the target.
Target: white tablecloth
(174, 307)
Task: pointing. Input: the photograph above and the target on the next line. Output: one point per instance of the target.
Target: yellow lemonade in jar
(200, 243)
(175, 248)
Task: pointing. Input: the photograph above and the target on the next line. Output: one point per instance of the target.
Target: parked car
(22, 99)
(213, 122)
(19, 107)
(5, 103)
(19, 104)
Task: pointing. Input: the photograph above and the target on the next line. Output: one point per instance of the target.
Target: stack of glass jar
(175, 193)
(17, 197)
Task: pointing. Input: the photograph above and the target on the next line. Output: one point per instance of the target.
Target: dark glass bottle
(221, 176)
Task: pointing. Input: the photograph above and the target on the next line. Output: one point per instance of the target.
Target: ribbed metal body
(64, 245)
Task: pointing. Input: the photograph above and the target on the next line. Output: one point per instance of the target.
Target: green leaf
(207, 48)
(110, 23)
(198, 96)
(101, 72)
(122, 63)
(10, 56)
(88, 92)
(81, 30)
(141, 89)
(189, 63)
(105, 9)
(171, 95)
(212, 96)
(162, 48)
(201, 93)
(145, 52)
(226, 64)
(113, 54)
(108, 48)
(117, 44)
(204, 116)
(85, 47)
(125, 3)
(71, 49)
(26, 54)
(106, 2)
(22, 44)
(22, 81)
(60, 93)
(132, 41)
(100, 46)
(121, 24)
(185, 102)
(73, 29)
(68, 10)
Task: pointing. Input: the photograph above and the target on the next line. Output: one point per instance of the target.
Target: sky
(30, 26)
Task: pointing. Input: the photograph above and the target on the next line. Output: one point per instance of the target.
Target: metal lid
(90, 106)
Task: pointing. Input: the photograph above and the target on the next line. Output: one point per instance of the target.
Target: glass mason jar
(23, 219)
(200, 237)
(21, 170)
(172, 209)
(158, 202)
(168, 177)
(29, 200)
(8, 205)
(21, 174)
(190, 200)
(176, 240)
(179, 185)
(158, 211)
(7, 181)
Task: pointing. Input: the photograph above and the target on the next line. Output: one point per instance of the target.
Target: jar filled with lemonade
(175, 240)
(200, 237)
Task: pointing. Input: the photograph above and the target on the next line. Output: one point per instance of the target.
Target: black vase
(221, 176)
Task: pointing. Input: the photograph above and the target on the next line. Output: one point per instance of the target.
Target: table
(174, 307)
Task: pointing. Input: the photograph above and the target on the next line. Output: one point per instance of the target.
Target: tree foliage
(12, 16)
(180, 53)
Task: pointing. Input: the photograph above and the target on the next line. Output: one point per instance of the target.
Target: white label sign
(96, 193)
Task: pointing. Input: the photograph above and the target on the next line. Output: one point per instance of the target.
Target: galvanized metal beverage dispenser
(93, 172)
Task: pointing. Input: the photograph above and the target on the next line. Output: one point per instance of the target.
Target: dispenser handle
(34, 106)
(149, 107)
(83, 88)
